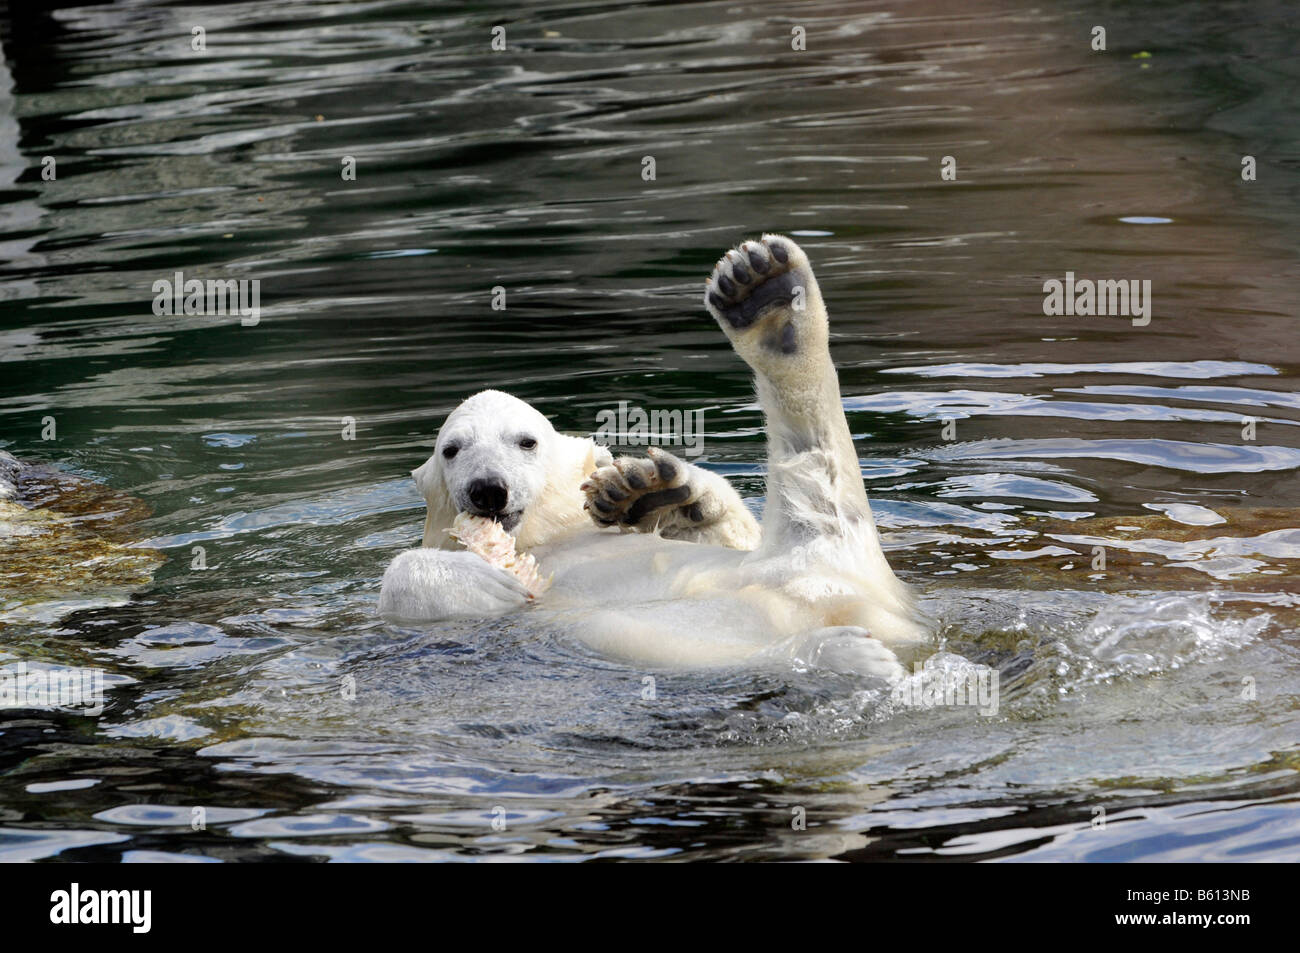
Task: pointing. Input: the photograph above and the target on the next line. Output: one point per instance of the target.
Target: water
(1158, 694)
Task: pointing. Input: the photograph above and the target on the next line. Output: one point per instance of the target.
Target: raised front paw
(769, 275)
(640, 490)
(764, 297)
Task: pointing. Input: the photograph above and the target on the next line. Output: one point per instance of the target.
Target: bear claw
(633, 488)
(751, 280)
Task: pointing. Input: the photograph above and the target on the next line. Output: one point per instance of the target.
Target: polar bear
(655, 560)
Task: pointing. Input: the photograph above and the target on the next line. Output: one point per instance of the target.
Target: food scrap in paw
(486, 538)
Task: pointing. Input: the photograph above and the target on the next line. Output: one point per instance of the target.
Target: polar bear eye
(528, 443)
(449, 452)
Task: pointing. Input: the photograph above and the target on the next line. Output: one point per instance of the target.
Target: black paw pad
(776, 292)
(783, 341)
(656, 501)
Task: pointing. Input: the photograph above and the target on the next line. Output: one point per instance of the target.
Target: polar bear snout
(488, 496)
(490, 493)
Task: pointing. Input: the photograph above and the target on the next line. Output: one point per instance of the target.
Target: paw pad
(751, 280)
(635, 488)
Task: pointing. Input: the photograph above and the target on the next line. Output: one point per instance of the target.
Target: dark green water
(523, 169)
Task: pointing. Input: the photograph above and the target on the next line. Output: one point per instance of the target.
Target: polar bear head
(497, 456)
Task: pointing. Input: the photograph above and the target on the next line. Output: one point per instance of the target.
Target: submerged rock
(1244, 555)
(9, 467)
(65, 544)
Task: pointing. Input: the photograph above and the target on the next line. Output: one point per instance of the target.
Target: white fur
(816, 588)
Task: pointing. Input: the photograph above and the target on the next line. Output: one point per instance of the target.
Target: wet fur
(659, 579)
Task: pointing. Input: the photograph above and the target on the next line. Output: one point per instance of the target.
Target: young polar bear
(656, 560)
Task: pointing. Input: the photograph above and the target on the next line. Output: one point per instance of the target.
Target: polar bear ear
(580, 456)
(428, 478)
(437, 498)
(558, 510)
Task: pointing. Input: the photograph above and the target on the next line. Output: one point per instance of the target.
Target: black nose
(489, 495)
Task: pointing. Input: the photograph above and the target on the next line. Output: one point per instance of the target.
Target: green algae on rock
(65, 544)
